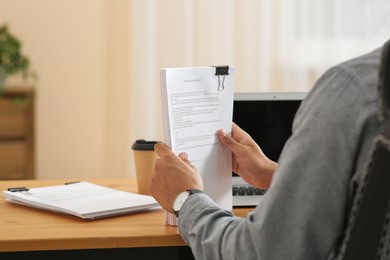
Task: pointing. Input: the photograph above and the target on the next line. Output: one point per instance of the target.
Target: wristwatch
(181, 198)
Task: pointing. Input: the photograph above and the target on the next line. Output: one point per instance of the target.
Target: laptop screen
(267, 118)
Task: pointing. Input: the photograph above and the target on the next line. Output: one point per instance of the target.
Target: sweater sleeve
(303, 213)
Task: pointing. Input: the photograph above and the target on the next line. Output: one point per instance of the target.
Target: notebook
(267, 118)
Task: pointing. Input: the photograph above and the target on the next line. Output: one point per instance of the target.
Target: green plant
(12, 61)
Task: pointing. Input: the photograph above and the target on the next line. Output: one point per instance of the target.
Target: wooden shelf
(17, 133)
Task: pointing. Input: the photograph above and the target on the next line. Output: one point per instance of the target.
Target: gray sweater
(303, 214)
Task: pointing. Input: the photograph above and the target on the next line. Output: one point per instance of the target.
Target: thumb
(184, 157)
(227, 141)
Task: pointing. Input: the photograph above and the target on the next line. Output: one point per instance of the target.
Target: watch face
(178, 203)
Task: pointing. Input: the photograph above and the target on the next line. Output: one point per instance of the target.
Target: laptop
(267, 118)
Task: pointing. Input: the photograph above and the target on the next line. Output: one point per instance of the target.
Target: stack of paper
(197, 102)
(82, 199)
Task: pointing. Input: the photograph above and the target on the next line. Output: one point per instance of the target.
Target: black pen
(72, 182)
(17, 189)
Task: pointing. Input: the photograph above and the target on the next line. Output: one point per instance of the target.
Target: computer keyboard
(247, 196)
(247, 190)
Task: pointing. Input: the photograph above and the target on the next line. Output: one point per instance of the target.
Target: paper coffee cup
(144, 158)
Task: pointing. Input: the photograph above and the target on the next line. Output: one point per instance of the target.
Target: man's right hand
(248, 159)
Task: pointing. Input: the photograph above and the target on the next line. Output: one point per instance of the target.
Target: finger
(162, 149)
(236, 128)
(184, 157)
(238, 133)
(226, 140)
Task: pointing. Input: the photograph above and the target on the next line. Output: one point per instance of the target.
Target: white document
(196, 104)
(82, 199)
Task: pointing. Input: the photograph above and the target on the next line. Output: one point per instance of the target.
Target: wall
(78, 50)
(99, 60)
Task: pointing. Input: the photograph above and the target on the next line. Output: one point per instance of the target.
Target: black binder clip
(221, 71)
(18, 189)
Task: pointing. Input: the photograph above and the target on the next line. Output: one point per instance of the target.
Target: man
(304, 212)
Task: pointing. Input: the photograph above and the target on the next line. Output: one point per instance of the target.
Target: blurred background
(98, 61)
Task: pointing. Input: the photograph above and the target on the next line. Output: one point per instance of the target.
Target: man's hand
(172, 175)
(249, 161)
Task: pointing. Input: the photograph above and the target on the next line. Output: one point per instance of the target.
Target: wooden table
(60, 236)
